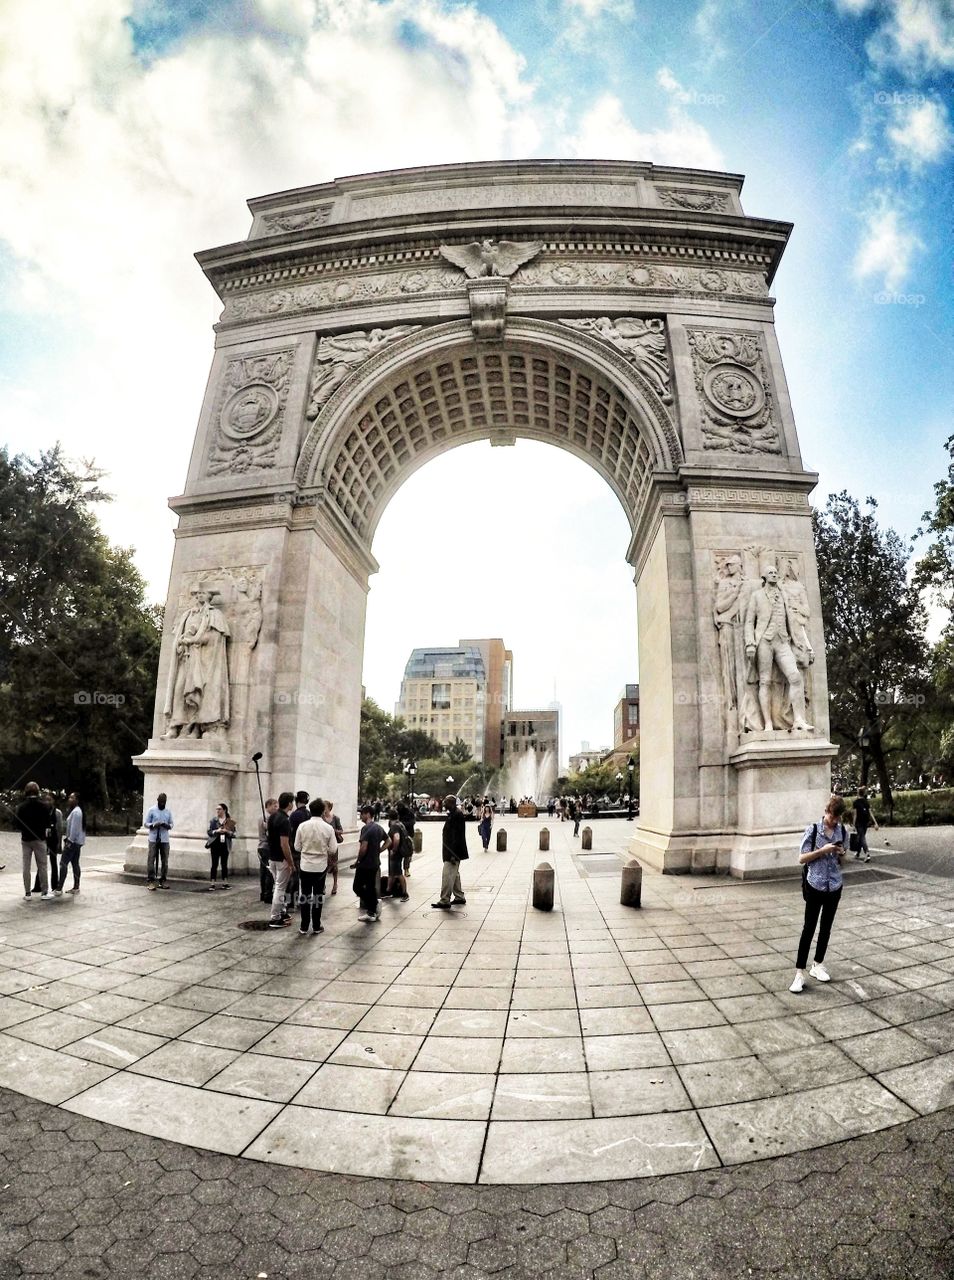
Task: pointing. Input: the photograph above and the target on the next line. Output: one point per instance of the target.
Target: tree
(458, 752)
(385, 745)
(874, 626)
(935, 569)
(79, 645)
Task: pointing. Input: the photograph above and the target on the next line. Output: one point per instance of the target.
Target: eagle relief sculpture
(490, 257)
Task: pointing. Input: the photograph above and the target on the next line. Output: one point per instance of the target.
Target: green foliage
(600, 780)
(935, 569)
(874, 625)
(922, 808)
(385, 746)
(79, 645)
(458, 752)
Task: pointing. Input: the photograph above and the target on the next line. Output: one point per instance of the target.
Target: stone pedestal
(543, 885)
(544, 840)
(631, 885)
(502, 840)
(586, 838)
(196, 776)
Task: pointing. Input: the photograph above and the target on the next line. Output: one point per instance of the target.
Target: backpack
(805, 864)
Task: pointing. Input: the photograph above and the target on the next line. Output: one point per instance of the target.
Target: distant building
(585, 757)
(461, 693)
(530, 747)
(626, 718)
(498, 664)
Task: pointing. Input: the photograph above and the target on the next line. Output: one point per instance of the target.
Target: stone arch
(439, 388)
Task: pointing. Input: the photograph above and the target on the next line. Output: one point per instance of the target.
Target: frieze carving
(302, 220)
(699, 201)
(642, 342)
(747, 498)
(490, 257)
(337, 358)
(761, 613)
(355, 288)
(735, 399)
(248, 413)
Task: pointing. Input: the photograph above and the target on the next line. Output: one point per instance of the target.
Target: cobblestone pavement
(81, 1199)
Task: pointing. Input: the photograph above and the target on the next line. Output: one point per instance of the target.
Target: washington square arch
(621, 311)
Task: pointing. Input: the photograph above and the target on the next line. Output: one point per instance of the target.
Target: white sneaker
(799, 982)
(820, 972)
(366, 919)
(58, 893)
(27, 897)
(47, 897)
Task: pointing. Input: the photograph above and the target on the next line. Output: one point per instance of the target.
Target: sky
(135, 130)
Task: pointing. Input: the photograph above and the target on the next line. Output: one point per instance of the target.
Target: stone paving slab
(492, 1043)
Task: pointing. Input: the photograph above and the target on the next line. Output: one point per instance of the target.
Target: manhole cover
(256, 926)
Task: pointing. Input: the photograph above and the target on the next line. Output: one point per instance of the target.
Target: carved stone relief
(762, 616)
(642, 342)
(735, 398)
(218, 620)
(490, 257)
(561, 273)
(248, 413)
(296, 220)
(693, 198)
(338, 357)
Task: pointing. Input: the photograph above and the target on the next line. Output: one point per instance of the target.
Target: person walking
(73, 844)
(453, 853)
(219, 845)
(32, 819)
(485, 826)
(367, 867)
(862, 818)
(406, 815)
(398, 843)
(822, 852)
(335, 822)
(280, 860)
(315, 843)
(158, 824)
(266, 883)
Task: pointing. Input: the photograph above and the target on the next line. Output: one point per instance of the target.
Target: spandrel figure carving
(197, 697)
(642, 342)
(337, 357)
(773, 631)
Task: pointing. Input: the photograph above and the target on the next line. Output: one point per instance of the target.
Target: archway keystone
(618, 311)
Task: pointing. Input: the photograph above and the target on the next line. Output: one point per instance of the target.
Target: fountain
(531, 775)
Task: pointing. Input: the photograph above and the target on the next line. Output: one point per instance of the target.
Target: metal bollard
(631, 884)
(587, 838)
(543, 887)
(544, 839)
(418, 840)
(502, 840)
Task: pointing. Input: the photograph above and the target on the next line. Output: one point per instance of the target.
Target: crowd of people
(49, 842)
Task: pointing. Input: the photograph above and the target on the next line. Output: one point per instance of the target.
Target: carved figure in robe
(338, 356)
(197, 695)
(642, 342)
(727, 619)
(769, 638)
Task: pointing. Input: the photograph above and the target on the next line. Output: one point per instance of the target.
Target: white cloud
(114, 169)
(593, 10)
(921, 133)
(605, 133)
(887, 248)
(915, 34)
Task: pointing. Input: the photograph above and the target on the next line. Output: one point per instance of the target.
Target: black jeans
(310, 897)
(266, 881)
(55, 881)
(366, 881)
(818, 902)
(220, 855)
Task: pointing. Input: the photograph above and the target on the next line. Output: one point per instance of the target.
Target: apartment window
(440, 697)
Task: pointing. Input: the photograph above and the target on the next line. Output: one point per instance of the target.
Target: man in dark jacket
(454, 853)
(33, 819)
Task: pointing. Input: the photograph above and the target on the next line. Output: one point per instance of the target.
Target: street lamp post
(619, 786)
(449, 780)
(631, 769)
(410, 769)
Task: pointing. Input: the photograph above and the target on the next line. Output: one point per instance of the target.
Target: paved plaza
(611, 1079)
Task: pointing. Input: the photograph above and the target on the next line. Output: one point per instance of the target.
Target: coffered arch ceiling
(467, 391)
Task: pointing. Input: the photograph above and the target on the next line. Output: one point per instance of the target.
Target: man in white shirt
(315, 841)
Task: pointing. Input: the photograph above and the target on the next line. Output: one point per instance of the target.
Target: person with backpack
(399, 847)
(821, 856)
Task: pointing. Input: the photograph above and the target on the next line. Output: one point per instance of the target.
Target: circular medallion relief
(248, 412)
(735, 391)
